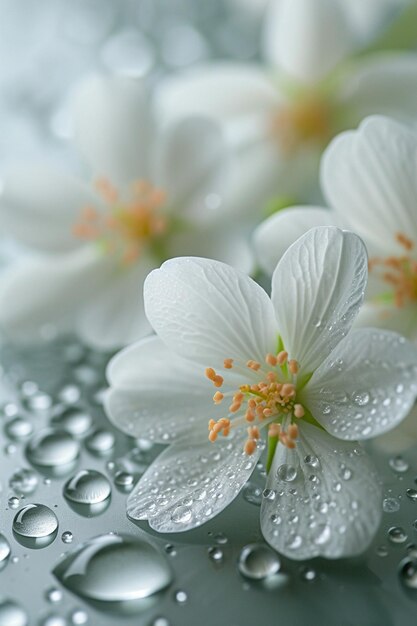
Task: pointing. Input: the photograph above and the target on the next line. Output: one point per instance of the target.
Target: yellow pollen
(399, 272)
(127, 224)
(228, 364)
(269, 401)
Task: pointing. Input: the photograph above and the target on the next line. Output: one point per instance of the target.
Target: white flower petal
(116, 316)
(192, 162)
(368, 176)
(191, 482)
(366, 386)
(306, 39)
(49, 291)
(222, 91)
(206, 311)
(156, 394)
(317, 290)
(113, 128)
(273, 236)
(40, 206)
(385, 84)
(331, 508)
(402, 320)
(401, 438)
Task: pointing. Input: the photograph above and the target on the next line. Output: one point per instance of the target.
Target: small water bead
(160, 621)
(10, 449)
(382, 551)
(181, 515)
(13, 502)
(12, 614)
(308, 574)
(38, 402)
(86, 375)
(287, 473)
(412, 494)
(70, 394)
(398, 464)
(345, 472)
(408, 573)
(53, 620)
(53, 595)
(312, 461)
(24, 481)
(396, 534)
(4, 551)
(87, 487)
(124, 480)
(258, 561)
(269, 494)
(67, 536)
(390, 505)
(35, 522)
(28, 388)
(73, 420)
(170, 549)
(52, 449)
(90, 570)
(294, 542)
(216, 554)
(220, 538)
(252, 493)
(323, 534)
(100, 442)
(79, 617)
(412, 550)
(181, 597)
(361, 398)
(18, 428)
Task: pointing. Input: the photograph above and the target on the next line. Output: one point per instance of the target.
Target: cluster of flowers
(190, 169)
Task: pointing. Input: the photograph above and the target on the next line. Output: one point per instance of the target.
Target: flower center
(268, 400)
(129, 224)
(303, 121)
(400, 272)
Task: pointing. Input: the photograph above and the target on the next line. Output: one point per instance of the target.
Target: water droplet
(308, 574)
(87, 487)
(18, 428)
(11, 614)
(24, 481)
(412, 494)
(408, 573)
(70, 394)
(216, 554)
(382, 551)
(35, 526)
(220, 538)
(160, 621)
(287, 473)
(74, 421)
(54, 450)
(13, 502)
(53, 620)
(345, 472)
(252, 493)
(67, 536)
(100, 442)
(398, 464)
(114, 568)
(4, 551)
(311, 460)
(258, 561)
(269, 494)
(79, 617)
(182, 515)
(181, 597)
(361, 398)
(323, 534)
(124, 480)
(396, 534)
(390, 505)
(294, 542)
(53, 595)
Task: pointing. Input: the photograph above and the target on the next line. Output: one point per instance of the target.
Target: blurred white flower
(280, 115)
(155, 193)
(368, 177)
(288, 364)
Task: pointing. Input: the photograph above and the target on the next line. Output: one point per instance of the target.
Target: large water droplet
(53, 450)
(396, 534)
(87, 487)
(114, 568)
(18, 428)
(11, 614)
(4, 551)
(287, 473)
(24, 481)
(252, 493)
(35, 526)
(257, 561)
(408, 573)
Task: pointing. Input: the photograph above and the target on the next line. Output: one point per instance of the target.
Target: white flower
(280, 115)
(155, 193)
(369, 179)
(288, 360)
